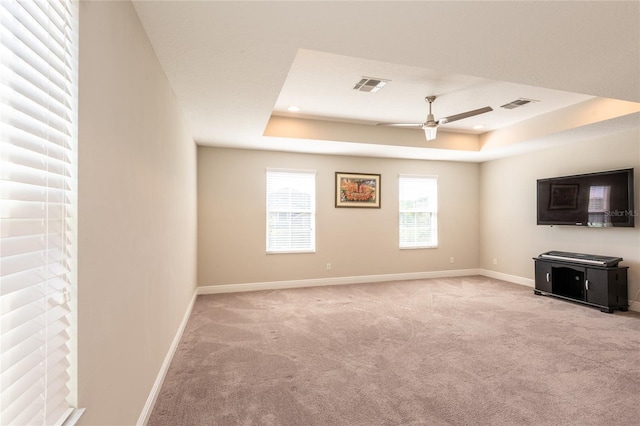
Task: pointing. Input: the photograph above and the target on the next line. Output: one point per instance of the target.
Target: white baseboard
(157, 385)
(510, 278)
(274, 285)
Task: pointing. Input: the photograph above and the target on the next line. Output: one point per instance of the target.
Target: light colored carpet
(456, 351)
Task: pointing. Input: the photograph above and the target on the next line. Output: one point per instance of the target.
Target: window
(599, 205)
(38, 83)
(418, 201)
(291, 211)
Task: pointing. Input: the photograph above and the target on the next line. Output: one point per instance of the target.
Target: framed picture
(357, 190)
(563, 197)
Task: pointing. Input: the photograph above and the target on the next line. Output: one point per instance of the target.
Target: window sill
(74, 417)
(291, 252)
(418, 247)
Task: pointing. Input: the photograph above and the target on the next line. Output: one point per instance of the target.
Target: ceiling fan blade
(467, 114)
(400, 124)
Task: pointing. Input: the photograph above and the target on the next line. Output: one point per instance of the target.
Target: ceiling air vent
(517, 103)
(370, 85)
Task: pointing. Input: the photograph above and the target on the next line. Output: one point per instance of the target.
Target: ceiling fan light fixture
(430, 127)
(430, 132)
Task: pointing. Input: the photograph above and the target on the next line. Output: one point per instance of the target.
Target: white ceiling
(236, 66)
(321, 84)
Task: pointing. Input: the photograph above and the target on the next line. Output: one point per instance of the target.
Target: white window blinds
(37, 207)
(291, 211)
(418, 201)
(599, 205)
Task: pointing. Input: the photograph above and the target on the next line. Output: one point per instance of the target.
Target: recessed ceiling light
(293, 108)
(478, 127)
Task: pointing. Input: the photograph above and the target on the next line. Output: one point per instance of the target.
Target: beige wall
(357, 242)
(487, 212)
(137, 215)
(508, 206)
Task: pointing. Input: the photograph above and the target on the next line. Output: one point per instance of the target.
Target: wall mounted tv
(602, 199)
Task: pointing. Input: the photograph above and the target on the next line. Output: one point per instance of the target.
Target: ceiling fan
(430, 126)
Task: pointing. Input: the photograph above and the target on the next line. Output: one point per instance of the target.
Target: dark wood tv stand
(604, 287)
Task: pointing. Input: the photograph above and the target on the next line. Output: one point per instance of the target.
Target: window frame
(431, 207)
(308, 173)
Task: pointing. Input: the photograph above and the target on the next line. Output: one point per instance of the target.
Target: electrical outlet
(328, 266)
(495, 261)
(451, 259)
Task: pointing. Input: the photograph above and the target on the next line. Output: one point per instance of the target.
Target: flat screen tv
(602, 199)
